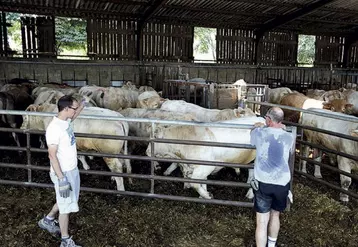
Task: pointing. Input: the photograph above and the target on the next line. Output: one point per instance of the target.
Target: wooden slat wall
(111, 39)
(46, 36)
(166, 42)
(278, 49)
(353, 56)
(329, 50)
(4, 48)
(235, 46)
(29, 41)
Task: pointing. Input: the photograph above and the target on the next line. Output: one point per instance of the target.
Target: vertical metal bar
(301, 149)
(152, 162)
(292, 161)
(195, 93)
(28, 154)
(47, 76)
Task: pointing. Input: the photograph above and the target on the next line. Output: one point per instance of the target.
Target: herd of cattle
(145, 102)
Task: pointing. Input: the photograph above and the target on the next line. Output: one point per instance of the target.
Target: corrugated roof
(339, 16)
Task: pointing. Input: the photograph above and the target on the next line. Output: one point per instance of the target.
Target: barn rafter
(281, 20)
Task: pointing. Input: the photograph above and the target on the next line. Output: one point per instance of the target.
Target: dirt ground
(316, 218)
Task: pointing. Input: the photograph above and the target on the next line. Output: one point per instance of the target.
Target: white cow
(48, 97)
(332, 142)
(204, 114)
(92, 126)
(194, 171)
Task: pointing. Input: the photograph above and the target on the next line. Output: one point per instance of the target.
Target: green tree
(205, 40)
(306, 49)
(70, 33)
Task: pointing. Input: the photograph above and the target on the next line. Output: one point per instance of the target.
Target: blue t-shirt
(273, 147)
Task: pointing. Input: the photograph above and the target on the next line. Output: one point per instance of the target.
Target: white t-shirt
(60, 132)
(273, 147)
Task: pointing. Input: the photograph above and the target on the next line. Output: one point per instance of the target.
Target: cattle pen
(152, 177)
(134, 45)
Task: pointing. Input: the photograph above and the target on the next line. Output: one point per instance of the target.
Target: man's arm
(52, 151)
(79, 109)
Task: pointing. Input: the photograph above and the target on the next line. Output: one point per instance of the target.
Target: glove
(84, 103)
(64, 187)
(254, 184)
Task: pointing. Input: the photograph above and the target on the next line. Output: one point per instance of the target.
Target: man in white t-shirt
(272, 175)
(64, 173)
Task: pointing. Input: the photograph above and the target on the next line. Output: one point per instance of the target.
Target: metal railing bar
(328, 167)
(133, 175)
(349, 156)
(141, 120)
(329, 115)
(349, 137)
(347, 192)
(132, 193)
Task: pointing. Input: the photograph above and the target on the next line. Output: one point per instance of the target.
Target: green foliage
(306, 49)
(205, 38)
(71, 33)
(14, 31)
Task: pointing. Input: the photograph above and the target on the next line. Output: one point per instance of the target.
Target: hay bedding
(106, 220)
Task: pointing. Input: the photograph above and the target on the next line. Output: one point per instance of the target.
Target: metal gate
(152, 176)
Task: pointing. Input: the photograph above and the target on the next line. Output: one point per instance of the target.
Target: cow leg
(344, 164)
(170, 169)
(317, 169)
(16, 138)
(305, 153)
(250, 192)
(116, 166)
(202, 172)
(127, 162)
(83, 161)
(42, 143)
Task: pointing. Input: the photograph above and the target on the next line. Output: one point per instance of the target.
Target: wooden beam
(58, 11)
(280, 20)
(150, 10)
(217, 11)
(349, 41)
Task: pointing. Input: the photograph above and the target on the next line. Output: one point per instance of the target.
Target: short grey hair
(276, 114)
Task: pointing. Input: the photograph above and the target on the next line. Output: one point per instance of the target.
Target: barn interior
(150, 42)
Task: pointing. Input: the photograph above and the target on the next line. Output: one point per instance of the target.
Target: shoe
(69, 243)
(50, 226)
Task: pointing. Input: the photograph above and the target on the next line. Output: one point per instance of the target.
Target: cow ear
(31, 108)
(162, 100)
(354, 133)
(327, 105)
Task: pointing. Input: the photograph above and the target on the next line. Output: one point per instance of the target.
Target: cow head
(26, 118)
(338, 105)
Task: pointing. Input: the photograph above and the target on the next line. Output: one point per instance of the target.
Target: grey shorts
(69, 204)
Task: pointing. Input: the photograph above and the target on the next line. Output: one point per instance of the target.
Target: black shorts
(271, 196)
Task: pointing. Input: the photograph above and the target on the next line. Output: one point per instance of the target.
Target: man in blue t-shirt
(272, 175)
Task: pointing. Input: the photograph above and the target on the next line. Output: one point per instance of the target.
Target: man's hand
(64, 187)
(259, 125)
(283, 126)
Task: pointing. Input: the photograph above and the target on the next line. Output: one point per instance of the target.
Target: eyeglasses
(266, 116)
(73, 108)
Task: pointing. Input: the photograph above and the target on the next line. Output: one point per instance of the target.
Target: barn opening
(71, 38)
(204, 45)
(14, 34)
(306, 50)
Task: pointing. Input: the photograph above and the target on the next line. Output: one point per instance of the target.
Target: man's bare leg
(63, 220)
(262, 220)
(273, 228)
